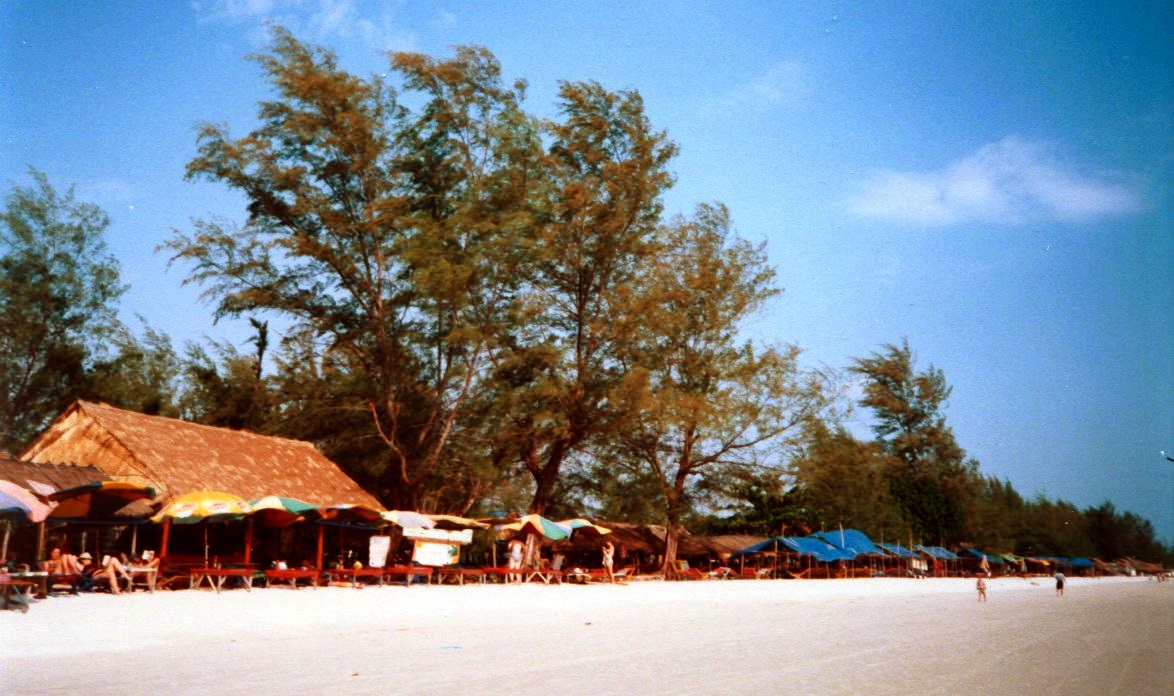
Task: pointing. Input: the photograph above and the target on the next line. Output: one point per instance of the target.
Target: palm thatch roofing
(55, 476)
(1140, 565)
(177, 457)
(724, 544)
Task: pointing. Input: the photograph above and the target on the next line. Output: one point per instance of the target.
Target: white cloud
(316, 21)
(1013, 181)
(783, 83)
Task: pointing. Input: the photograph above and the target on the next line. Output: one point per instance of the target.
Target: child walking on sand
(981, 585)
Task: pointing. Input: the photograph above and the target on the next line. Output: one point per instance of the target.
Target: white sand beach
(1108, 635)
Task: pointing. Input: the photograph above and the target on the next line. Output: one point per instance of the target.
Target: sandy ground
(876, 636)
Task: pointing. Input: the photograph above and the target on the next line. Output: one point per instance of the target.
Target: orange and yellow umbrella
(204, 506)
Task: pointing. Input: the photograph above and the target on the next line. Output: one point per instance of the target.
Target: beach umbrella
(103, 500)
(279, 511)
(16, 503)
(456, 522)
(583, 527)
(408, 519)
(204, 506)
(201, 507)
(353, 515)
(539, 525)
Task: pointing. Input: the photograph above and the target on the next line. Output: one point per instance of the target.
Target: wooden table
(291, 576)
(217, 577)
(450, 574)
(353, 574)
(23, 588)
(408, 572)
(37, 578)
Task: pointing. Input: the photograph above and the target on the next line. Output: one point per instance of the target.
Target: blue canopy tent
(818, 549)
(857, 542)
(899, 551)
(940, 558)
(771, 544)
(814, 548)
(851, 540)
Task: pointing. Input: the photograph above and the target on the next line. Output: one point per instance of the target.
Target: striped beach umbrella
(537, 524)
(279, 511)
(103, 500)
(583, 527)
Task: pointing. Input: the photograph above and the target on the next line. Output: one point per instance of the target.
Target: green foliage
(143, 375)
(756, 502)
(388, 237)
(930, 479)
(58, 294)
(846, 482)
(696, 399)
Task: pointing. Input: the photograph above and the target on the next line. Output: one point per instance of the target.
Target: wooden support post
(249, 541)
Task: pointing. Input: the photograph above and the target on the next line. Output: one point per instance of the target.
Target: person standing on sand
(1060, 584)
(609, 552)
(516, 547)
(981, 585)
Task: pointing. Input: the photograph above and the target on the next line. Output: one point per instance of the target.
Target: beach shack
(176, 457)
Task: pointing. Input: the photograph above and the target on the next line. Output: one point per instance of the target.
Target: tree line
(481, 309)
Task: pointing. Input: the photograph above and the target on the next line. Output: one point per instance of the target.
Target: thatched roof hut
(721, 545)
(177, 457)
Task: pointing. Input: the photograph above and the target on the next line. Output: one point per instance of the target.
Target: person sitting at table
(110, 571)
(147, 560)
(60, 563)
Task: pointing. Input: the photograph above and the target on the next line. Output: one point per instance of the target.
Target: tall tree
(695, 397)
(931, 479)
(595, 215)
(137, 373)
(59, 290)
(385, 234)
(844, 481)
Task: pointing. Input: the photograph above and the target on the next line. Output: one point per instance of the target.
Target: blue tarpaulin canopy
(818, 549)
(1082, 562)
(768, 545)
(937, 552)
(993, 559)
(850, 540)
(812, 546)
(898, 550)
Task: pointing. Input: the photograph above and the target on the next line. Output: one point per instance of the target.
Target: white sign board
(377, 551)
(435, 553)
(456, 536)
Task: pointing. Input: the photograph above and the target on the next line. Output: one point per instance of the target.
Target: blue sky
(990, 182)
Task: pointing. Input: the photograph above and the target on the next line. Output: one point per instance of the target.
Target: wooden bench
(354, 574)
(290, 576)
(503, 574)
(459, 575)
(408, 573)
(218, 577)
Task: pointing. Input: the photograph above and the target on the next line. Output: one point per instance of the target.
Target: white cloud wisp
(1010, 182)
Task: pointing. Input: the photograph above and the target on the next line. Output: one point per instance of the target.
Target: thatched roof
(54, 476)
(177, 457)
(716, 545)
(1140, 565)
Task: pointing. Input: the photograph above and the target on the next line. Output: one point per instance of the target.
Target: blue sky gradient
(989, 180)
